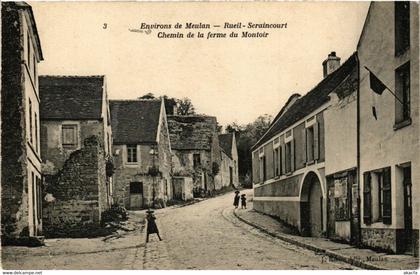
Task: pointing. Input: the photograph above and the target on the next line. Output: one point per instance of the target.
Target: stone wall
(380, 238)
(73, 198)
(52, 151)
(14, 191)
(183, 188)
(139, 172)
(183, 164)
(165, 157)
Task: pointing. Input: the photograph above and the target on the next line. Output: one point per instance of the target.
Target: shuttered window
(377, 205)
(316, 141)
(69, 135)
(367, 199)
(283, 159)
(386, 197)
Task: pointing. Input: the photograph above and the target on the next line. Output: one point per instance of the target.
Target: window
(131, 153)
(30, 123)
(310, 148)
(69, 136)
(377, 196)
(136, 188)
(34, 70)
(196, 160)
(39, 199)
(380, 201)
(263, 171)
(402, 90)
(28, 40)
(402, 27)
(289, 157)
(36, 133)
(276, 161)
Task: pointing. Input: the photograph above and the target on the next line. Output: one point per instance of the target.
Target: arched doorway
(311, 206)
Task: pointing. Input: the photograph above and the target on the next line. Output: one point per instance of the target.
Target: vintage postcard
(210, 136)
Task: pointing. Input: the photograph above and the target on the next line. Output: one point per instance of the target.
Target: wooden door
(408, 212)
(136, 195)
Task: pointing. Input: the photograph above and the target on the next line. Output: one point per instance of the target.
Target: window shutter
(316, 141)
(367, 199)
(274, 163)
(283, 159)
(306, 146)
(292, 164)
(387, 205)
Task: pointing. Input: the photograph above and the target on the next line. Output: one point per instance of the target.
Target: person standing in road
(236, 199)
(151, 225)
(243, 201)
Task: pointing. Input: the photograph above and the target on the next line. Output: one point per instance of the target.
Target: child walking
(151, 225)
(243, 201)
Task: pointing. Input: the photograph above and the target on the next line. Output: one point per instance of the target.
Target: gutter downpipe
(358, 237)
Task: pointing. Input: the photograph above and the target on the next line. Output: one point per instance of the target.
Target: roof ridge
(135, 100)
(72, 76)
(203, 116)
(316, 89)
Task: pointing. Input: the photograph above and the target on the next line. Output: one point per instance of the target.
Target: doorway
(311, 206)
(408, 212)
(230, 176)
(136, 195)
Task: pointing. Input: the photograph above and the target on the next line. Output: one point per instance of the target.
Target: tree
(147, 96)
(246, 136)
(174, 106)
(185, 107)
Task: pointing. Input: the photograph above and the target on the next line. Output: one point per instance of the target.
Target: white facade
(388, 142)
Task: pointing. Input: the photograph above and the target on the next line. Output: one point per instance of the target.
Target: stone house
(76, 144)
(196, 151)
(228, 172)
(21, 214)
(142, 153)
(389, 143)
(289, 161)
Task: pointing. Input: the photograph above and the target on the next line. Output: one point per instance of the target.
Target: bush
(114, 214)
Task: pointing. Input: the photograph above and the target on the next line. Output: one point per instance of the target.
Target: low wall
(72, 203)
(287, 211)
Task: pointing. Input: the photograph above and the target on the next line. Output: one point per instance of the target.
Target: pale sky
(235, 80)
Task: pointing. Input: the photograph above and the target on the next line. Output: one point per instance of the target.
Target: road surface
(205, 235)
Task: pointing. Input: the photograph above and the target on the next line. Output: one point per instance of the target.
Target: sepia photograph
(223, 136)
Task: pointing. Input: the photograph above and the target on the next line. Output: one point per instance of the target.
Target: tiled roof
(225, 142)
(192, 132)
(308, 103)
(135, 121)
(71, 97)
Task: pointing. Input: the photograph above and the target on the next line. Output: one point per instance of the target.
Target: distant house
(76, 144)
(195, 145)
(289, 161)
(142, 153)
(21, 214)
(228, 174)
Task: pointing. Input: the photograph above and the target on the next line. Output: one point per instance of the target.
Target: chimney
(331, 64)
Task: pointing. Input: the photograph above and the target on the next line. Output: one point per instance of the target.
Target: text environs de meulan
(164, 28)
